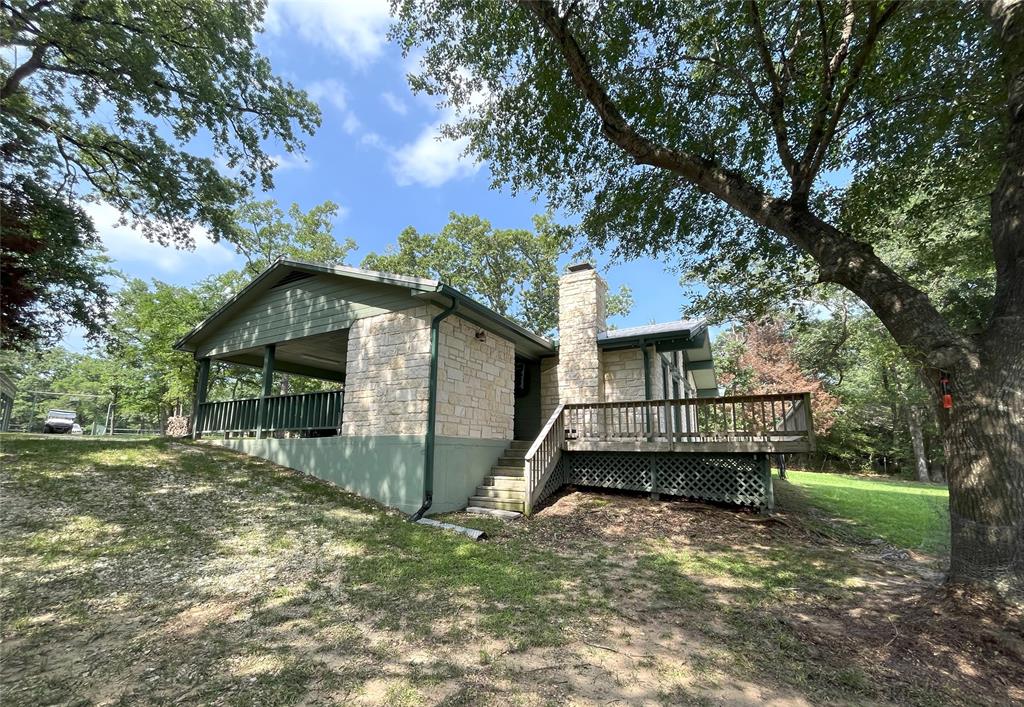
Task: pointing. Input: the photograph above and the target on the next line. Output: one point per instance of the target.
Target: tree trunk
(917, 442)
(983, 437)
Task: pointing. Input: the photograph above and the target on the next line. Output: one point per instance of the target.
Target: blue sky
(376, 154)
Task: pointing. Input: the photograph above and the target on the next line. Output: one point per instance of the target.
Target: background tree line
(133, 367)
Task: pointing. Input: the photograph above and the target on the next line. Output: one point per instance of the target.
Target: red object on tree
(947, 397)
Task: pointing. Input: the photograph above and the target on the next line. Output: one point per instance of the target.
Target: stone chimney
(581, 315)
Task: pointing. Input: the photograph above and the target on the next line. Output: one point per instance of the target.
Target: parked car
(59, 422)
(76, 429)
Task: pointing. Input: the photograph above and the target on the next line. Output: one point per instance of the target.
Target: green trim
(254, 361)
(707, 392)
(202, 382)
(664, 340)
(428, 442)
(701, 365)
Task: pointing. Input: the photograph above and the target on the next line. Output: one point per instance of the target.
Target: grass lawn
(157, 572)
(907, 514)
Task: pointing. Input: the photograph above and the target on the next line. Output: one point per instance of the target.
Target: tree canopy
(718, 133)
(53, 268)
(264, 234)
(513, 271)
(111, 99)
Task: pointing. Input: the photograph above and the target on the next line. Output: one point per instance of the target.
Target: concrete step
(517, 483)
(484, 502)
(522, 445)
(494, 492)
(493, 512)
(513, 462)
(499, 470)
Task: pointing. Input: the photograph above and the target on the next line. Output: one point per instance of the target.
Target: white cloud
(331, 92)
(394, 103)
(431, 159)
(351, 123)
(356, 29)
(127, 245)
(291, 161)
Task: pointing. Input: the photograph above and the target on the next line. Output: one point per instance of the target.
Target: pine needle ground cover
(156, 572)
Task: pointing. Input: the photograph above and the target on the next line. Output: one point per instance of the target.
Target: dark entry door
(526, 422)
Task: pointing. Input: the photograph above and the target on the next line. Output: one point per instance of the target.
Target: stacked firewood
(177, 426)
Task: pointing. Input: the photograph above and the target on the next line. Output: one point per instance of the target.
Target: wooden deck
(779, 423)
(747, 426)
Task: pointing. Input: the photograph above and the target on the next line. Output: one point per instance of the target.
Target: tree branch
(824, 139)
(776, 104)
(31, 65)
(906, 312)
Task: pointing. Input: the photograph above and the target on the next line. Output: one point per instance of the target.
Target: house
(442, 403)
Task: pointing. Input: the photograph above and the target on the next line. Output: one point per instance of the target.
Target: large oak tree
(732, 134)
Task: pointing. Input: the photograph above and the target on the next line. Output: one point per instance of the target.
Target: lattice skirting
(559, 478)
(743, 479)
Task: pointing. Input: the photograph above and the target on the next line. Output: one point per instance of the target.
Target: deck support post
(202, 383)
(765, 465)
(267, 389)
(653, 470)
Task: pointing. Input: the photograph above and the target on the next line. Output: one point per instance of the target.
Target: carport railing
(300, 411)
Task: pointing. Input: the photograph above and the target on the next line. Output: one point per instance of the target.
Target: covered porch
(308, 414)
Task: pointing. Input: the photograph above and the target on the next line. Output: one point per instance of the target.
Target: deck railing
(300, 411)
(543, 456)
(749, 418)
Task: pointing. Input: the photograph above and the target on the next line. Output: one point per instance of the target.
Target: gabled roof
(427, 289)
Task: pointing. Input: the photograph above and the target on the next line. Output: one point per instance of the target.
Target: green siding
(386, 468)
(316, 305)
(460, 465)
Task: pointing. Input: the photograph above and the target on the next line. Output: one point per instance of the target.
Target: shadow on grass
(239, 573)
(154, 572)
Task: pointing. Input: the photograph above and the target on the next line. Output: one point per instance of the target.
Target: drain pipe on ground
(428, 454)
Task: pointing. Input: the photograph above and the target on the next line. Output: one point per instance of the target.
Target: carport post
(268, 385)
(202, 381)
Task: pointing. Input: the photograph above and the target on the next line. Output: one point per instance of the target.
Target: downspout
(428, 451)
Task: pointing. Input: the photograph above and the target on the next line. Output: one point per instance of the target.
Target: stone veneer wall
(581, 315)
(475, 396)
(623, 374)
(548, 387)
(388, 371)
